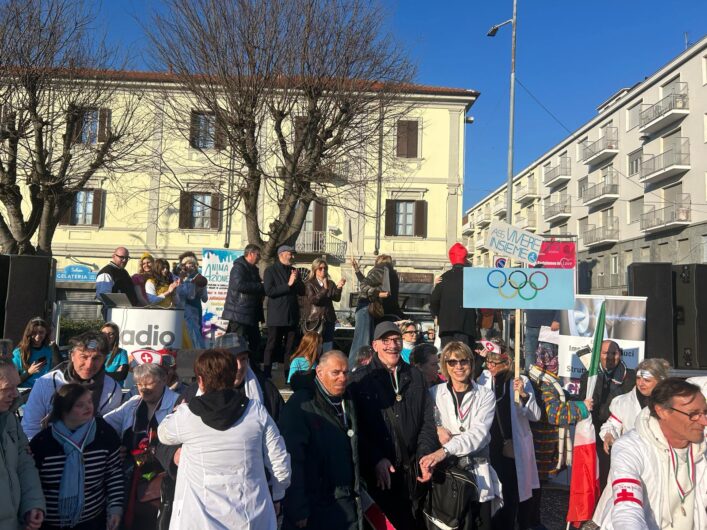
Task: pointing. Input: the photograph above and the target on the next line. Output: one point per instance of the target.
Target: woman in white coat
(511, 447)
(464, 414)
(228, 441)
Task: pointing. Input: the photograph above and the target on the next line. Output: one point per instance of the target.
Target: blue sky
(571, 55)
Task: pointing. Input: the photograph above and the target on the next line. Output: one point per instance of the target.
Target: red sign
(558, 254)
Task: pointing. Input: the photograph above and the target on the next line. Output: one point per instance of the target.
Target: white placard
(506, 240)
(148, 328)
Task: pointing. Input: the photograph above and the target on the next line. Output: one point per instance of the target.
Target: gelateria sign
(511, 242)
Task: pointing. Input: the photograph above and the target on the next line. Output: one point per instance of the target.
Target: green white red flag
(584, 484)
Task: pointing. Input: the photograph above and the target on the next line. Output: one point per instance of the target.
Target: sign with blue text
(216, 264)
(75, 273)
(518, 288)
(511, 242)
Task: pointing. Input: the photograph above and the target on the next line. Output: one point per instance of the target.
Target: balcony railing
(529, 222)
(560, 209)
(669, 109)
(602, 235)
(483, 217)
(607, 190)
(603, 148)
(527, 192)
(671, 216)
(558, 174)
(668, 163)
(480, 243)
(319, 242)
(499, 207)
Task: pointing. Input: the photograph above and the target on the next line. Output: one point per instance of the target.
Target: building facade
(630, 185)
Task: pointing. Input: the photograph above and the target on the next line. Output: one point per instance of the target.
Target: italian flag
(584, 484)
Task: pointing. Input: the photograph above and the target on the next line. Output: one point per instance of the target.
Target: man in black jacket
(282, 287)
(446, 303)
(244, 302)
(396, 428)
(318, 423)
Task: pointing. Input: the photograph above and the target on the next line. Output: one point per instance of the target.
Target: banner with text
(148, 328)
(518, 288)
(558, 254)
(507, 240)
(216, 267)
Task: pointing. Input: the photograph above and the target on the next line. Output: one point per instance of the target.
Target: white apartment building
(630, 185)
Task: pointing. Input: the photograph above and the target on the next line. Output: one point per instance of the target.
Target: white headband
(645, 374)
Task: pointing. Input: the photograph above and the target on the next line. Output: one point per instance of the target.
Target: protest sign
(558, 254)
(216, 267)
(518, 288)
(507, 240)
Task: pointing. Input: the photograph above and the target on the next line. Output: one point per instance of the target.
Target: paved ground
(554, 508)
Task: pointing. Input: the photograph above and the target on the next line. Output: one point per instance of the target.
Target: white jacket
(39, 404)
(122, 418)
(221, 482)
(640, 472)
(624, 410)
(476, 435)
(523, 448)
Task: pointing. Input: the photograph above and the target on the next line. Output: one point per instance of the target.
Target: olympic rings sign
(517, 283)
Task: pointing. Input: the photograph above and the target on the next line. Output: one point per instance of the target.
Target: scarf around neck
(71, 488)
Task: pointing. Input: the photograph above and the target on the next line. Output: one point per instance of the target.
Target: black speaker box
(655, 281)
(691, 315)
(26, 291)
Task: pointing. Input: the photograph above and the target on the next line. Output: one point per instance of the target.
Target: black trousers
(251, 334)
(280, 339)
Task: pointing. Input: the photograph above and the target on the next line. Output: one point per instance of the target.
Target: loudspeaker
(27, 290)
(655, 281)
(690, 315)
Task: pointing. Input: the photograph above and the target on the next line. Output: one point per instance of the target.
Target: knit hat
(458, 254)
(146, 255)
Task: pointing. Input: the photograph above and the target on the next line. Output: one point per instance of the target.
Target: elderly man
(658, 470)
(613, 379)
(113, 278)
(396, 427)
(22, 502)
(318, 424)
(85, 367)
(282, 286)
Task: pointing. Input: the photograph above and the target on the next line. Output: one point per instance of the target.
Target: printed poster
(216, 267)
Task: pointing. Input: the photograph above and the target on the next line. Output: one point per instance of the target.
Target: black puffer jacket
(244, 301)
(446, 303)
(283, 301)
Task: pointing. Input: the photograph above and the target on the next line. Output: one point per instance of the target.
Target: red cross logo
(146, 357)
(628, 496)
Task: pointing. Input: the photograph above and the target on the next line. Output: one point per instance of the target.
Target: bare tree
(303, 96)
(65, 119)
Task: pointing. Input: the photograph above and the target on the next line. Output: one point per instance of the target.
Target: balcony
(499, 208)
(483, 217)
(603, 192)
(559, 174)
(320, 243)
(602, 235)
(527, 193)
(480, 242)
(671, 216)
(674, 161)
(560, 210)
(467, 225)
(603, 148)
(530, 222)
(667, 111)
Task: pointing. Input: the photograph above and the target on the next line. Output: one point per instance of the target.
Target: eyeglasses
(122, 258)
(408, 332)
(454, 362)
(694, 416)
(495, 363)
(391, 341)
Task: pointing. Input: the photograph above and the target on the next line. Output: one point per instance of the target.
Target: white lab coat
(475, 437)
(39, 404)
(122, 418)
(624, 410)
(523, 448)
(221, 482)
(640, 472)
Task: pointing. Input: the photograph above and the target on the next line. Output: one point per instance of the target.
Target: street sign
(511, 242)
(499, 263)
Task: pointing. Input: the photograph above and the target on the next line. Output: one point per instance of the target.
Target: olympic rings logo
(521, 284)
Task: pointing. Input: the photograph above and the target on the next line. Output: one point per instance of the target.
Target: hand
(555, 325)
(36, 366)
(383, 470)
(276, 505)
(438, 279)
(293, 278)
(341, 283)
(383, 294)
(429, 461)
(34, 519)
(176, 456)
(113, 522)
(589, 403)
(608, 442)
(173, 286)
(519, 387)
(301, 523)
(355, 266)
(425, 474)
(444, 435)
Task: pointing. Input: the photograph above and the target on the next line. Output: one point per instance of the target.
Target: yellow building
(411, 213)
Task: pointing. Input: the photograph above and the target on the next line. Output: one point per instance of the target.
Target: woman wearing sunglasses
(464, 413)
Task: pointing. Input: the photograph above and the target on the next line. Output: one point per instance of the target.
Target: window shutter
(78, 126)
(420, 218)
(97, 212)
(185, 200)
(390, 217)
(319, 221)
(194, 129)
(402, 150)
(104, 116)
(412, 139)
(215, 211)
(67, 216)
(219, 135)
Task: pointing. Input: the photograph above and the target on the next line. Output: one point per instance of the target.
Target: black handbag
(452, 494)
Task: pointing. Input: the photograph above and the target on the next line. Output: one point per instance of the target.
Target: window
(407, 145)
(635, 210)
(672, 194)
(607, 218)
(582, 185)
(628, 258)
(204, 133)
(671, 87)
(632, 116)
(634, 162)
(563, 229)
(580, 147)
(405, 218)
(315, 221)
(199, 210)
(86, 209)
(582, 225)
(614, 264)
(92, 126)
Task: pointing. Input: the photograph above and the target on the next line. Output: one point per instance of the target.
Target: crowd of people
(397, 431)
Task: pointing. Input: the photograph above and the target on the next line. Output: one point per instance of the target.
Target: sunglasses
(454, 362)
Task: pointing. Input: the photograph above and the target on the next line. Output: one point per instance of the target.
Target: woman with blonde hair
(306, 355)
(160, 287)
(145, 266)
(318, 310)
(33, 355)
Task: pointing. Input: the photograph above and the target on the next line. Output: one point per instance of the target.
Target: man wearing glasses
(113, 278)
(658, 470)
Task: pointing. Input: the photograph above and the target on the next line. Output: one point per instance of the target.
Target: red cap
(458, 254)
